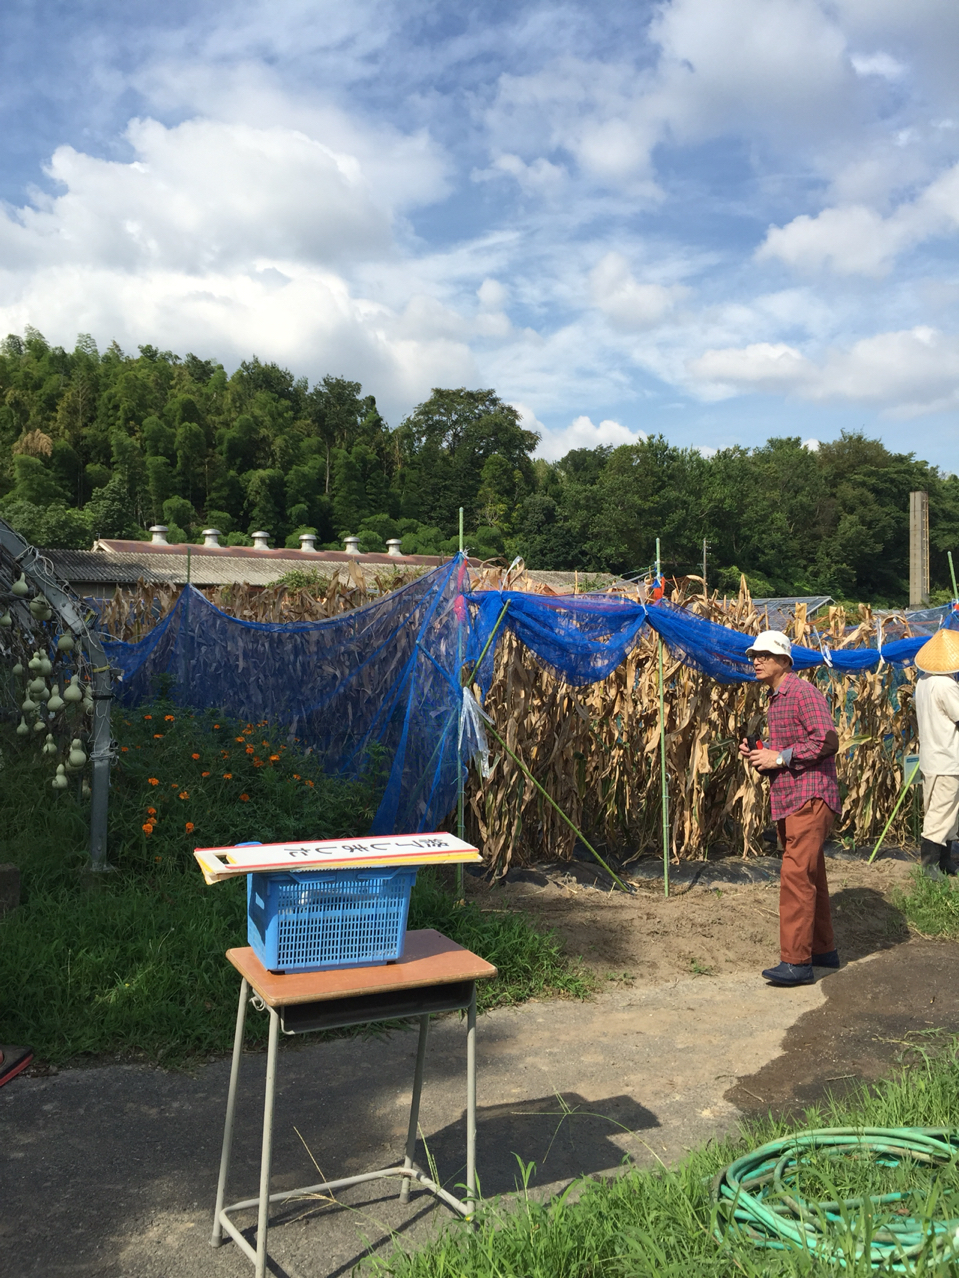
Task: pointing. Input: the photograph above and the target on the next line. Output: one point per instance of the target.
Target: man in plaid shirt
(800, 761)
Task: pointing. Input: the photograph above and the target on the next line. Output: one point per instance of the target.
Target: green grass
(931, 907)
(658, 1224)
(131, 963)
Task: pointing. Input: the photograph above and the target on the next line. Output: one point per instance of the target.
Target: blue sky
(716, 219)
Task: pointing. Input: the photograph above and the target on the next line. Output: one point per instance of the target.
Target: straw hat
(941, 654)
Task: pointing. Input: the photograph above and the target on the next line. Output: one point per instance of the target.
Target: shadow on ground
(876, 1013)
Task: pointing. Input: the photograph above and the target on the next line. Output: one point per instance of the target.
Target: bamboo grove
(596, 749)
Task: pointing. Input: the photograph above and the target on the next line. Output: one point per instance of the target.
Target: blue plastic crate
(318, 919)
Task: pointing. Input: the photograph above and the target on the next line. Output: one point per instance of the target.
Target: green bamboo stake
(952, 573)
(552, 802)
(662, 750)
(460, 799)
(892, 816)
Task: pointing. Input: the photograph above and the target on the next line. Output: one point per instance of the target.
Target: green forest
(105, 444)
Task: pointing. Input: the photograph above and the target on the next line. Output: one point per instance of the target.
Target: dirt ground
(708, 926)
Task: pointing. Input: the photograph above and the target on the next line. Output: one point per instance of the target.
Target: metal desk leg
(415, 1106)
(217, 1238)
(471, 1104)
(266, 1153)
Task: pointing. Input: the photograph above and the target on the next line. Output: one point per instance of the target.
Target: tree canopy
(105, 444)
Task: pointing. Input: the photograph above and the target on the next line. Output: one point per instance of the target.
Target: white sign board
(368, 852)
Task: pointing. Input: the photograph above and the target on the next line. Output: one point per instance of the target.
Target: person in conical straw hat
(937, 714)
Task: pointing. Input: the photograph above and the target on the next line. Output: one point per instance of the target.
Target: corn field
(595, 750)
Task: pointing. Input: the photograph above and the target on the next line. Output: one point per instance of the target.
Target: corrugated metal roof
(96, 567)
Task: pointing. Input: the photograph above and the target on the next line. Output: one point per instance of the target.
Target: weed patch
(131, 963)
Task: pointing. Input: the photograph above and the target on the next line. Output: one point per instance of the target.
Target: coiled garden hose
(758, 1197)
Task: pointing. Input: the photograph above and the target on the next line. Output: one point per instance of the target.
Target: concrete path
(111, 1172)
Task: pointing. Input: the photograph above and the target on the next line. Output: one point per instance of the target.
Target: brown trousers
(805, 924)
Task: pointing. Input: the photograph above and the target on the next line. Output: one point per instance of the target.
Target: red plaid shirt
(802, 731)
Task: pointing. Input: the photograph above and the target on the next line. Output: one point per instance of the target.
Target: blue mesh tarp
(386, 678)
(385, 675)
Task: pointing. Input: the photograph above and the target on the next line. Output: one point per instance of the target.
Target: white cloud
(906, 373)
(811, 445)
(583, 433)
(856, 240)
(627, 303)
(883, 65)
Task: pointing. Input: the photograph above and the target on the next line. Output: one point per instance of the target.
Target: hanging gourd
(28, 706)
(6, 621)
(55, 703)
(22, 728)
(50, 745)
(73, 692)
(65, 643)
(40, 608)
(20, 588)
(43, 693)
(40, 726)
(61, 780)
(18, 669)
(88, 704)
(46, 666)
(34, 663)
(34, 686)
(76, 758)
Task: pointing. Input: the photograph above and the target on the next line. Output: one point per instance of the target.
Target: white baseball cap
(772, 642)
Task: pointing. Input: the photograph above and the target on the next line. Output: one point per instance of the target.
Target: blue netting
(383, 675)
(387, 675)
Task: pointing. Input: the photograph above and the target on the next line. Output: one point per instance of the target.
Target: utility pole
(918, 550)
(705, 546)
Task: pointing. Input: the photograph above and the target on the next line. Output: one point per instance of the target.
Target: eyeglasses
(762, 656)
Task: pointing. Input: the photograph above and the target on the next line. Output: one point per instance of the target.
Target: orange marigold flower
(153, 780)
(204, 774)
(170, 718)
(227, 776)
(194, 756)
(241, 739)
(310, 784)
(151, 811)
(244, 798)
(274, 758)
(158, 858)
(148, 716)
(147, 828)
(296, 776)
(189, 827)
(249, 749)
(158, 736)
(216, 727)
(183, 795)
(266, 743)
(124, 749)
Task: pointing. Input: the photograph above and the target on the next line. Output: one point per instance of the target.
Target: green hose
(758, 1198)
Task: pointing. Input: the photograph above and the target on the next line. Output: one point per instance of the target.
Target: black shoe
(931, 856)
(790, 974)
(945, 860)
(829, 959)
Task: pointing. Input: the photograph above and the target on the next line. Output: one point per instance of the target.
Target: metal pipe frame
(408, 1172)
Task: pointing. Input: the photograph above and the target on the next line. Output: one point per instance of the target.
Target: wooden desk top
(429, 958)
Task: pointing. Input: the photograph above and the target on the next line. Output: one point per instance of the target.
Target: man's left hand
(764, 760)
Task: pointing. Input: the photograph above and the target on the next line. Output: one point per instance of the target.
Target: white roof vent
(351, 545)
(261, 541)
(211, 536)
(158, 535)
(393, 547)
(308, 541)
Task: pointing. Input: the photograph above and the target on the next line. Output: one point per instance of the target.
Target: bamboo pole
(907, 782)
(460, 800)
(952, 573)
(662, 746)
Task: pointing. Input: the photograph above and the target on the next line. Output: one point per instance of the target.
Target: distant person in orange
(800, 762)
(937, 714)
